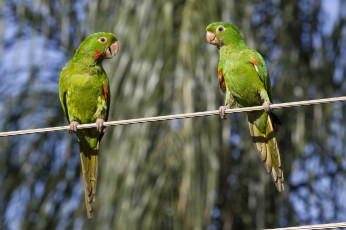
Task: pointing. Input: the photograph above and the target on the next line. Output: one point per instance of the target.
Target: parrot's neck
(86, 65)
(87, 58)
(241, 45)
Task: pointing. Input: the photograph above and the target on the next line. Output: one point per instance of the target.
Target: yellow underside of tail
(268, 151)
(89, 160)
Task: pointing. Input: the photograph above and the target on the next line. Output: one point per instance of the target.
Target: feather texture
(85, 98)
(247, 83)
(268, 151)
(89, 160)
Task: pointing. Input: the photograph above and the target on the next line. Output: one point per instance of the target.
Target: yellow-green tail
(268, 151)
(89, 159)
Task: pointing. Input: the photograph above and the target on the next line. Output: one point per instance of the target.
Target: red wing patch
(97, 54)
(105, 91)
(222, 81)
(255, 63)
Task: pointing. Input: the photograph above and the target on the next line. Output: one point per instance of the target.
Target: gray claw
(99, 125)
(222, 110)
(73, 126)
(266, 106)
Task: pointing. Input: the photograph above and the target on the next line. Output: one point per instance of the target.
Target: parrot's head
(98, 46)
(223, 34)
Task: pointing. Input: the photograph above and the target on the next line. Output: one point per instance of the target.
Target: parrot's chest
(85, 85)
(85, 99)
(241, 81)
(86, 89)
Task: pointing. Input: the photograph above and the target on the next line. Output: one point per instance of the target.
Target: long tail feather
(268, 151)
(89, 159)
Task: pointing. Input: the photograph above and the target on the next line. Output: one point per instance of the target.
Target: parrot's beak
(112, 50)
(211, 38)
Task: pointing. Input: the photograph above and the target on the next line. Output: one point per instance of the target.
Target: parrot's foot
(73, 126)
(222, 110)
(266, 106)
(99, 125)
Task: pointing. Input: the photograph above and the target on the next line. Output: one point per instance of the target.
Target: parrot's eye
(102, 39)
(220, 28)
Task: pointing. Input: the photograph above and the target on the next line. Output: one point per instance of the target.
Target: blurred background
(200, 173)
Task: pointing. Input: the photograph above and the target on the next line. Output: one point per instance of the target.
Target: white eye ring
(220, 29)
(102, 39)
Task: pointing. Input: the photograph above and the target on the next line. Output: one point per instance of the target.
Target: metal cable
(314, 227)
(177, 116)
(200, 114)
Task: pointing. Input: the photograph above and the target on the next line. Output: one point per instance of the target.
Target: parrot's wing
(221, 81)
(106, 92)
(62, 91)
(261, 69)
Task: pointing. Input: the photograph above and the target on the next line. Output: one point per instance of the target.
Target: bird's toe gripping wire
(222, 110)
(73, 126)
(266, 107)
(99, 125)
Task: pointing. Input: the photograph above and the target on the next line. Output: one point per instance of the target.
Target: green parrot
(85, 98)
(243, 77)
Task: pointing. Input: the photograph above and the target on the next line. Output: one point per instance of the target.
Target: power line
(200, 114)
(177, 116)
(314, 227)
